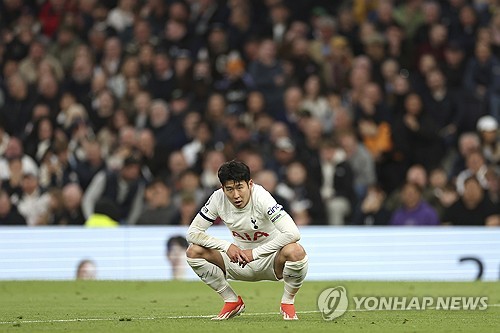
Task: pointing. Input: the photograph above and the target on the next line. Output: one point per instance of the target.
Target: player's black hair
(234, 171)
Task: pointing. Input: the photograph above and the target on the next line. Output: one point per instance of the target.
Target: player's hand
(237, 255)
(249, 255)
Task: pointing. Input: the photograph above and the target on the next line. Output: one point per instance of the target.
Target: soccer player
(265, 242)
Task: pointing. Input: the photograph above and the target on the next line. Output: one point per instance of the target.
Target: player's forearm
(196, 234)
(289, 234)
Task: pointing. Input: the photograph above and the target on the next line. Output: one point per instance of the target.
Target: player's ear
(250, 183)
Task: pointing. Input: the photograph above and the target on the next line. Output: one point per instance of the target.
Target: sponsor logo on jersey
(247, 237)
(274, 209)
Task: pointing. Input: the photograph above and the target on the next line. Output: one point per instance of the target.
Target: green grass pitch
(115, 306)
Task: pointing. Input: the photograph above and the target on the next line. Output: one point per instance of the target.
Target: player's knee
(294, 252)
(195, 251)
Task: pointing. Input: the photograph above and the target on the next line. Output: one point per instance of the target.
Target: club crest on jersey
(254, 222)
(246, 237)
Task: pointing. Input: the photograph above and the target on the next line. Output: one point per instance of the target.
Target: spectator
(268, 179)
(360, 161)
(186, 186)
(176, 165)
(64, 48)
(8, 212)
(269, 77)
(49, 93)
(91, 164)
(487, 128)
(29, 66)
(416, 174)
(202, 141)
(124, 188)
(373, 122)
(166, 132)
(316, 102)
(19, 102)
(12, 185)
(416, 135)
(72, 213)
(4, 139)
(467, 143)
(306, 206)
(40, 140)
(122, 16)
(162, 81)
(414, 210)
(159, 208)
(443, 107)
(188, 208)
(33, 202)
(472, 208)
(14, 150)
(372, 210)
(443, 191)
(154, 157)
(57, 170)
(475, 166)
(55, 208)
(480, 80)
(454, 65)
(283, 154)
(327, 50)
(337, 184)
(235, 84)
(105, 214)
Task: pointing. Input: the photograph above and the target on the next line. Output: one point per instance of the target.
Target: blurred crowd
(364, 112)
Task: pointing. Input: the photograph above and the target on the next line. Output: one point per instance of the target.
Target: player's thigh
(257, 270)
(210, 255)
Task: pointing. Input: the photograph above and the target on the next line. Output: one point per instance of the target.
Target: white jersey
(262, 225)
(251, 225)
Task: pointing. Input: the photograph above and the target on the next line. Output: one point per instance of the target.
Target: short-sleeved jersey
(250, 226)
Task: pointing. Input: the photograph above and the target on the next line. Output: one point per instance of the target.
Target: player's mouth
(238, 203)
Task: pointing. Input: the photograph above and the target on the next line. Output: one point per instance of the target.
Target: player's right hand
(237, 255)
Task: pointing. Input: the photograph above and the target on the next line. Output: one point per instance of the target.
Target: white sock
(294, 274)
(214, 277)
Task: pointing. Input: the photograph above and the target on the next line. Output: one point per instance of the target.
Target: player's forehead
(234, 183)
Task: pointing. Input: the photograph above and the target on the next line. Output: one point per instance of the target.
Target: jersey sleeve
(289, 233)
(273, 211)
(203, 220)
(210, 211)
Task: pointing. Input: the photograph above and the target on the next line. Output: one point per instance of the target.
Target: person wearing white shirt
(264, 243)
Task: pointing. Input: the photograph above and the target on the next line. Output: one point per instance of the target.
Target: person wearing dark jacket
(337, 183)
(8, 212)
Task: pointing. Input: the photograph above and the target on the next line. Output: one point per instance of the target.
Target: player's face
(238, 192)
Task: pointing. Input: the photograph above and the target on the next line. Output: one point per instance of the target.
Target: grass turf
(115, 306)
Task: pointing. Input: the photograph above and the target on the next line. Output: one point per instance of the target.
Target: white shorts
(257, 270)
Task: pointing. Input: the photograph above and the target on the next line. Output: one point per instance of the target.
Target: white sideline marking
(48, 321)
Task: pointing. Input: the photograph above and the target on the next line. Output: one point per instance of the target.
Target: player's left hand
(249, 255)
